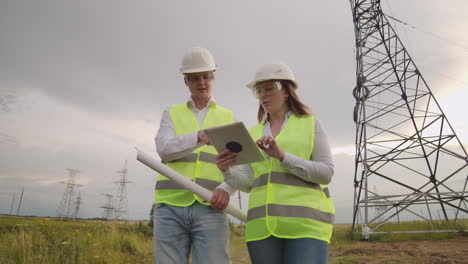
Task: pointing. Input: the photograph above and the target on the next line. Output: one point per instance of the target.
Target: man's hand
(203, 138)
(220, 199)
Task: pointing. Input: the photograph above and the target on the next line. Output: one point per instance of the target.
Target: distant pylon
(12, 203)
(66, 205)
(120, 212)
(20, 201)
(76, 212)
(108, 207)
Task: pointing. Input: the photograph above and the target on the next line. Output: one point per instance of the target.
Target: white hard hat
(197, 59)
(273, 71)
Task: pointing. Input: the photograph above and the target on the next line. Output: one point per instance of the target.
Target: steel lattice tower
(108, 207)
(77, 206)
(66, 208)
(120, 211)
(405, 144)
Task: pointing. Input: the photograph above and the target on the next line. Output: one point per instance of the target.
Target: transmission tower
(12, 203)
(120, 212)
(108, 207)
(20, 201)
(77, 204)
(66, 206)
(404, 142)
(380, 210)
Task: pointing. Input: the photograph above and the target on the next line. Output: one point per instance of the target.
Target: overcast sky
(84, 82)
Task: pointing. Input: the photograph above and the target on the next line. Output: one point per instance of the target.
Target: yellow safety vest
(199, 166)
(282, 204)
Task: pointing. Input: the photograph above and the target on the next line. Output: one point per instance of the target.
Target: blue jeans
(197, 228)
(273, 250)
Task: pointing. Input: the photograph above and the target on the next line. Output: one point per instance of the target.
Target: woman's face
(271, 96)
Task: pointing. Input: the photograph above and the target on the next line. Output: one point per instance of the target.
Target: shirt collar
(191, 103)
(287, 116)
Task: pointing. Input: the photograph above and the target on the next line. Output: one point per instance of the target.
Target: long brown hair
(294, 103)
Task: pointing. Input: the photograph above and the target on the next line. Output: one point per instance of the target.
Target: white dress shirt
(319, 169)
(171, 147)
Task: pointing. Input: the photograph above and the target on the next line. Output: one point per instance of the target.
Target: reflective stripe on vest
(290, 211)
(287, 179)
(192, 157)
(172, 185)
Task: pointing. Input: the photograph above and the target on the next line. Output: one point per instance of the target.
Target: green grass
(44, 240)
(47, 240)
(460, 225)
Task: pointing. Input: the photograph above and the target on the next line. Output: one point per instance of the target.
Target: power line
(455, 43)
(452, 42)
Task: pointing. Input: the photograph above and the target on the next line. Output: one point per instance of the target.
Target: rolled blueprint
(205, 194)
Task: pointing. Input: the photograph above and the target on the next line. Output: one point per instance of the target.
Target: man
(183, 222)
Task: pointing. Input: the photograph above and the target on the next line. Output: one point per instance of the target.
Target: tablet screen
(237, 139)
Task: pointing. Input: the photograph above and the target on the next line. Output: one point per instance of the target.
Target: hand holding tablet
(236, 139)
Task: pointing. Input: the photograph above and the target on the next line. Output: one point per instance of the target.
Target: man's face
(200, 84)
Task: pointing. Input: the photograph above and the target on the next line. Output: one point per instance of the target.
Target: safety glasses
(266, 89)
(196, 77)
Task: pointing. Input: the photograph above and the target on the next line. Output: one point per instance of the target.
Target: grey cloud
(8, 139)
(7, 101)
(116, 59)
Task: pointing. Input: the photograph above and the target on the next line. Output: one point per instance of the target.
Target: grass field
(48, 240)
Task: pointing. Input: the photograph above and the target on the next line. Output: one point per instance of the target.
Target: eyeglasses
(193, 78)
(266, 89)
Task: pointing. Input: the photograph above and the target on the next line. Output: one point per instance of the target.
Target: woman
(290, 214)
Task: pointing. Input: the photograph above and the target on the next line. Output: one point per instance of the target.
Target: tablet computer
(237, 139)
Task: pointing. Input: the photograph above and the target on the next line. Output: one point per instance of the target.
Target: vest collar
(191, 103)
(287, 116)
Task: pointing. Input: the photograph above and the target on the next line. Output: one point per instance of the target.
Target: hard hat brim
(204, 69)
(252, 84)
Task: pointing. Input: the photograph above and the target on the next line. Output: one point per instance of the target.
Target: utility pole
(21, 200)
(12, 202)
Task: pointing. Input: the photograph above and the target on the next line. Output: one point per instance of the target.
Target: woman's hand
(269, 145)
(225, 159)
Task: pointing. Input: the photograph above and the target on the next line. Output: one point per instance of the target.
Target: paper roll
(205, 194)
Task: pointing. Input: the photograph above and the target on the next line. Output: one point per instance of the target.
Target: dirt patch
(428, 252)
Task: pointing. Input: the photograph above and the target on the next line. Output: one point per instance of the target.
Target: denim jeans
(273, 250)
(198, 228)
